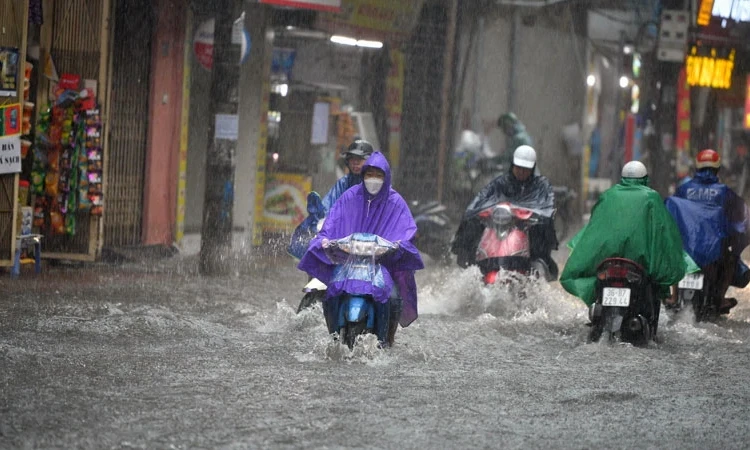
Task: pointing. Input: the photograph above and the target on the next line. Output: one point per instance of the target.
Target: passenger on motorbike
(521, 185)
(730, 225)
(355, 157)
(372, 206)
(628, 221)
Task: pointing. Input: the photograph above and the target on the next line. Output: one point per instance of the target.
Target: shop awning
(320, 5)
(381, 20)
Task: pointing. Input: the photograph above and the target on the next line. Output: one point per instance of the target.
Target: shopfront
(54, 87)
(13, 81)
(329, 73)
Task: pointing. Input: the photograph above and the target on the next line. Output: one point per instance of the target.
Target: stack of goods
(90, 166)
(67, 166)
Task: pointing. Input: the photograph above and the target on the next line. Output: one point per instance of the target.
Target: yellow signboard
(373, 19)
(285, 201)
(704, 12)
(709, 71)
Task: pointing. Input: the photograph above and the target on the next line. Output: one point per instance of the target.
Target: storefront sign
(320, 5)
(10, 154)
(285, 201)
(704, 12)
(709, 71)
(384, 20)
(747, 103)
(682, 141)
(8, 72)
(203, 42)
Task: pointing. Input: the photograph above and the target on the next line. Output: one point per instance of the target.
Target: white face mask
(373, 185)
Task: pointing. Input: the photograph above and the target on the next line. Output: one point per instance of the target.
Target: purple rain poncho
(385, 214)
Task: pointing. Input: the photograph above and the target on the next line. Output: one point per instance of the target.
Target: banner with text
(10, 154)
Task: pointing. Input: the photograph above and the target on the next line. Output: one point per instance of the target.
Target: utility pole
(446, 98)
(216, 230)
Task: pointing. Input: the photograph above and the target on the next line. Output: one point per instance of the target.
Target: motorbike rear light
(633, 277)
(617, 272)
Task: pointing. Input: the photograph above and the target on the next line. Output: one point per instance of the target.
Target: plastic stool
(36, 239)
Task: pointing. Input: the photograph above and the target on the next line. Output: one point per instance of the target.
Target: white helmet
(634, 169)
(524, 156)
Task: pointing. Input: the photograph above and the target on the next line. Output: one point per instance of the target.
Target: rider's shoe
(727, 304)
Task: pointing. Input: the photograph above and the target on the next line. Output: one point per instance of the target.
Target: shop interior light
(627, 49)
(343, 40)
(338, 39)
(624, 81)
(591, 80)
(369, 44)
(281, 89)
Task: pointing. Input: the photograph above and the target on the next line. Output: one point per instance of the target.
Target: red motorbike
(505, 242)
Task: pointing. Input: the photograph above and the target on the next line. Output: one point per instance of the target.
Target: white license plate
(616, 296)
(692, 281)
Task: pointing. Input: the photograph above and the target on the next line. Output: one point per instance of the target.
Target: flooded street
(156, 356)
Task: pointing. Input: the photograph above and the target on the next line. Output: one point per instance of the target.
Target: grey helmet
(360, 148)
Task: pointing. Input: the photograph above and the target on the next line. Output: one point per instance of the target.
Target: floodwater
(152, 355)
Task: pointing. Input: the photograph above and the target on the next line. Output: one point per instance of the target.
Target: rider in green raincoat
(629, 221)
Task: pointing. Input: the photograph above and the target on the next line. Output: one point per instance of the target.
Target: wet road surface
(152, 355)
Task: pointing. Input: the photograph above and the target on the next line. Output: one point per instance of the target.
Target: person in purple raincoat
(372, 206)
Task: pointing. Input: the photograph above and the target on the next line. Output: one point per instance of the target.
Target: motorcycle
(694, 290)
(705, 237)
(434, 229)
(505, 244)
(356, 311)
(314, 290)
(627, 306)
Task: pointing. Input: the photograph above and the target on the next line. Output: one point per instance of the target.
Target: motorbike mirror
(522, 213)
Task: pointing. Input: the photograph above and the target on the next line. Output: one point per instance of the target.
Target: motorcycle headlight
(502, 216)
(363, 248)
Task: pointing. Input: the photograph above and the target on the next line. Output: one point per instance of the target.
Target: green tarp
(629, 221)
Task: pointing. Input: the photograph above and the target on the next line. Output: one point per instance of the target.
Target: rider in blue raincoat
(355, 157)
(713, 222)
(371, 207)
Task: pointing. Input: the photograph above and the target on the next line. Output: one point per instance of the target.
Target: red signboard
(320, 5)
(682, 138)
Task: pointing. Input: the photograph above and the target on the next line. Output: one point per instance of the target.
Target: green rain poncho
(629, 221)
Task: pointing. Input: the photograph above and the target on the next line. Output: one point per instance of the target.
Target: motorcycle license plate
(616, 296)
(692, 281)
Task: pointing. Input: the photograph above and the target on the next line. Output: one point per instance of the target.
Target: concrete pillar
(253, 108)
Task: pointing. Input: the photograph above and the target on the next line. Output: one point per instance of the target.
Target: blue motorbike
(361, 279)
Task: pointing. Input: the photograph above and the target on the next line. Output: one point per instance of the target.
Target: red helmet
(707, 158)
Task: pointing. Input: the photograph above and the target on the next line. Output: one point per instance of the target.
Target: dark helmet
(507, 120)
(360, 149)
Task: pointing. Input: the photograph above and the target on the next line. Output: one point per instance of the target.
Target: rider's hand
(325, 243)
